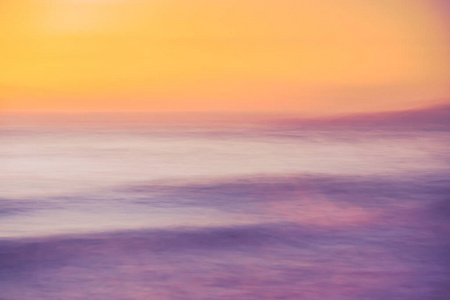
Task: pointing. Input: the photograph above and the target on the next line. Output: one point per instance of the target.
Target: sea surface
(149, 207)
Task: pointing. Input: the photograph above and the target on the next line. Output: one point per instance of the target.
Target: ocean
(107, 207)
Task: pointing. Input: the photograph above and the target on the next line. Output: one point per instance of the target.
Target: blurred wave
(254, 210)
(310, 237)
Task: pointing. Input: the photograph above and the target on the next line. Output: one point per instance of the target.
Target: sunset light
(225, 55)
(224, 149)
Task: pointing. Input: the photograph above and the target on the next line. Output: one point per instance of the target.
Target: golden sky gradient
(315, 56)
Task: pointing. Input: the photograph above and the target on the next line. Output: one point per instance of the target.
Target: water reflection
(253, 213)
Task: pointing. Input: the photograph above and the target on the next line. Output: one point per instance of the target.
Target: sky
(307, 57)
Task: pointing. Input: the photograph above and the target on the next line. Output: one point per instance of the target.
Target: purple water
(144, 210)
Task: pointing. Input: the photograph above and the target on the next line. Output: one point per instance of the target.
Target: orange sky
(316, 56)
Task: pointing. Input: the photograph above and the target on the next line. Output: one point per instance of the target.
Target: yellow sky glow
(225, 55)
